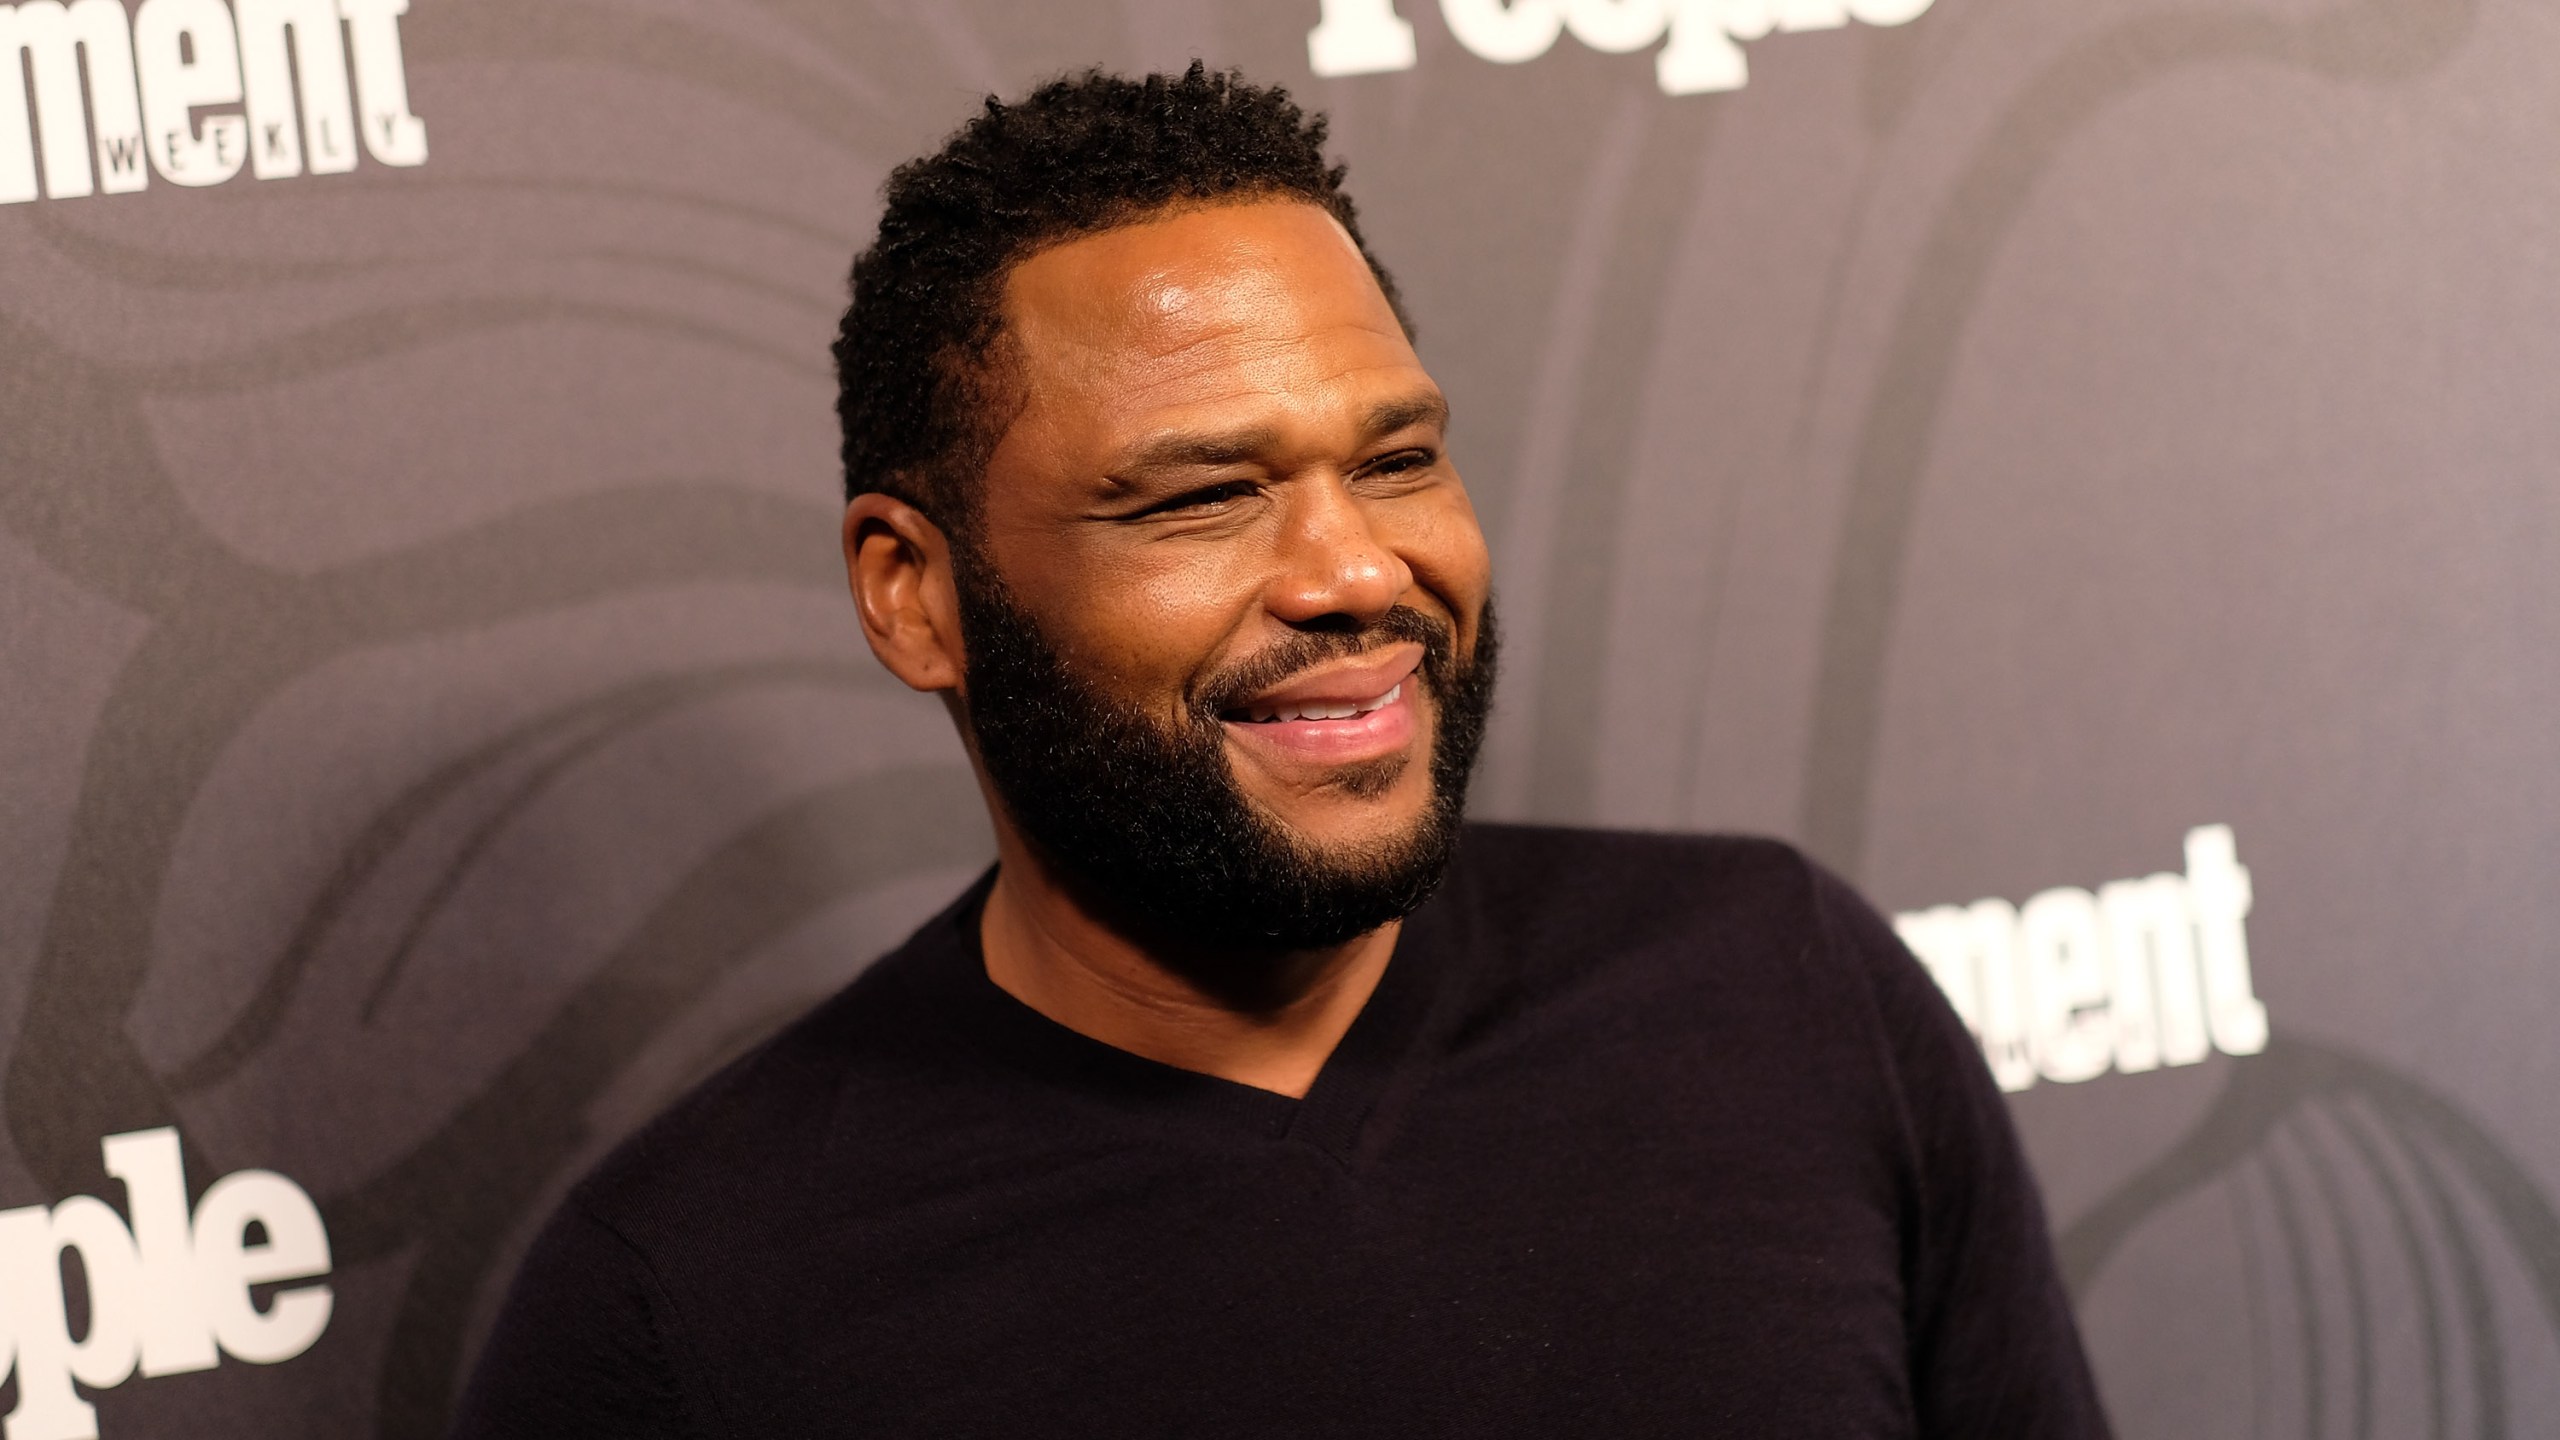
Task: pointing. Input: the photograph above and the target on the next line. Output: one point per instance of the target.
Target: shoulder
(1575, 847)
(1632, 884)
(1741, 920)
(741, 1143)
(597, 1336)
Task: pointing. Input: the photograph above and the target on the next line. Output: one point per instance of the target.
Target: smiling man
(1251, 1092)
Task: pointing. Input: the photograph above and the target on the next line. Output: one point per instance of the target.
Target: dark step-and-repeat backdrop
(2081, 467)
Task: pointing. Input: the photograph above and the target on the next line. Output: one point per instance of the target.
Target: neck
(1053, 954)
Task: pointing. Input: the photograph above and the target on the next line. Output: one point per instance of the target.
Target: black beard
(1147, 824)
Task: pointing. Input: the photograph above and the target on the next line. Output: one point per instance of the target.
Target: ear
(899, 565)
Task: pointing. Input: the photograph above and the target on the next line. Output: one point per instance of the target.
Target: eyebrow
(1390, 416)
(1195, 450)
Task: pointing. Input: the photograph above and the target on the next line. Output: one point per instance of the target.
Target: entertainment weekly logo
(168, 1293)
(1365, 37)
(2141, 974)
(314, 80)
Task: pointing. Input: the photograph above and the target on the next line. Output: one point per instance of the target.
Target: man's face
(1225, 515)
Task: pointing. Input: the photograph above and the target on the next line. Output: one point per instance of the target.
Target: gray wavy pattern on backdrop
(229, 635)
(2361, 1197)
(734, 276)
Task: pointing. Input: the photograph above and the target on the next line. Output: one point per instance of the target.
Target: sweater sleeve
(1994, 1350)
(580, 1347)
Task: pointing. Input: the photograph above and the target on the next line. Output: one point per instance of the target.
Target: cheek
(1441, 541)
(1137, 621)
(1148, 625)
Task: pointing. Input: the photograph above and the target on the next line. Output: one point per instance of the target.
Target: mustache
(1302, 649)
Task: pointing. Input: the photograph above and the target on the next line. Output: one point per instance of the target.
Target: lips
(1346, 712)
(1319, 710)
(1340, 690)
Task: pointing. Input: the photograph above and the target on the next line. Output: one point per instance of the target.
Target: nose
(1333, 560)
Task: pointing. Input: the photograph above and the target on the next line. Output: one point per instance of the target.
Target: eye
(1401, 462)
(1207, 500)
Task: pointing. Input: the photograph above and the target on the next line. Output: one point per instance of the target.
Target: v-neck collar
(1363, 1069)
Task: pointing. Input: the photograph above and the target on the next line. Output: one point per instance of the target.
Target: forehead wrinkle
(1235, 334)
(1234, 291)
(1263, 404)
(1247, 369)
(1223, 281)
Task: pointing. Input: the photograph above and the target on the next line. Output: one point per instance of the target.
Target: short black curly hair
(920, 388)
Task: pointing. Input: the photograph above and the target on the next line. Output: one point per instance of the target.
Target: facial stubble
(1147, 822)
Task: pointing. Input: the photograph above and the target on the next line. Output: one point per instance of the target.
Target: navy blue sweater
(1638, 1135)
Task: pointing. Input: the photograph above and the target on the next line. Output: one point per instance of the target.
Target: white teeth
(1264, 714)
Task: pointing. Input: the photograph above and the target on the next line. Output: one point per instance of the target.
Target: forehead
(1264, 300)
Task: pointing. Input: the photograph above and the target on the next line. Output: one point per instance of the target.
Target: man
(1250, 1093)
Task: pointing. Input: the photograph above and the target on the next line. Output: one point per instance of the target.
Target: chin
(1374, 804)
(1373, 779)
